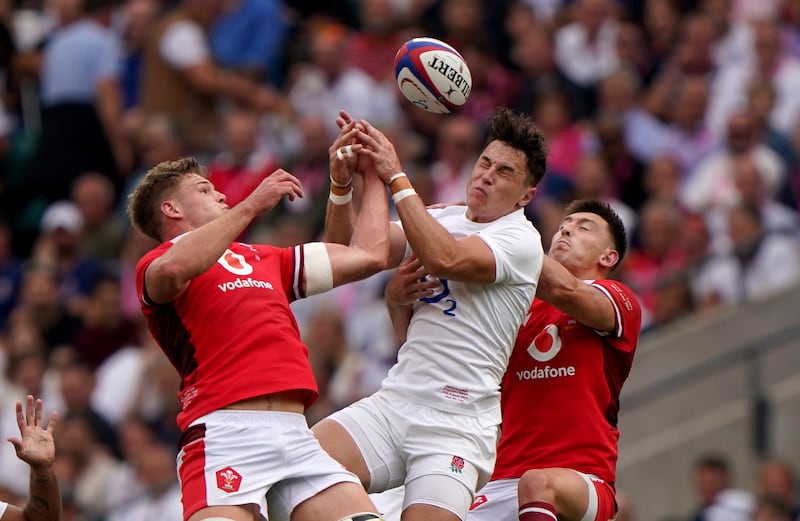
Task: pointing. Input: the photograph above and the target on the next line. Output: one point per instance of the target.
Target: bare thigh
(334, 503)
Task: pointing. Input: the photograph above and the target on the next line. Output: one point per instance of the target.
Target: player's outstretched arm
(169, 275)
(36, 448)
(468, 259)
(369, 245)
(568, 293)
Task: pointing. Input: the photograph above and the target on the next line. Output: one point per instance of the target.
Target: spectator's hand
(272, 189)
(36, 448)
(409, 283)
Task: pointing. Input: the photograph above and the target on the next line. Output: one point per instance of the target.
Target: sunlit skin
(197, 201)
(498, 183)
(584, 245)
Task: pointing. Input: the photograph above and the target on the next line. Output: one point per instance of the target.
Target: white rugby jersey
(460, 339)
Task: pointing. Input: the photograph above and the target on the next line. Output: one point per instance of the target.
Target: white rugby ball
(432, 75)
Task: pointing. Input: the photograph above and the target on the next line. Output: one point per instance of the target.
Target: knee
(536, 485)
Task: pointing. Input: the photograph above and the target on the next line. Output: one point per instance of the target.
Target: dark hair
(144, 202)
(715, 462)
(518, 131)
(605, 212)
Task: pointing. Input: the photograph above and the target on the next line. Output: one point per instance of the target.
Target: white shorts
(497, 501)
(232, 457)
(401, 441)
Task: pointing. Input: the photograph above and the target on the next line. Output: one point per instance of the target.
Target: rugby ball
(432, 75)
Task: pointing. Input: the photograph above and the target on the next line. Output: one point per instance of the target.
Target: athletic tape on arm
(319, 273)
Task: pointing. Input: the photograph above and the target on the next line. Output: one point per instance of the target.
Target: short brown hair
(145, 200)
(519, 132)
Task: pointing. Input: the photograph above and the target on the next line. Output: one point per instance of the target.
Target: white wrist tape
(341, 199)
(318, 269)
(340, 185)
(402, 194)
(396, 176)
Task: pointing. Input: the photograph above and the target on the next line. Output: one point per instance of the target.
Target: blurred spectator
(103, 233)
(77, 386)
(135, 437)
(661, 21)
(711, 183)
(138, 17)
(662, 180)
(532, 53)
(585, 49)
(626, 171)
(776, 486)
(84, 468)
(656, 255)
(682, 103)
(632, 50)
(593, 181)
(758, 264)
(243, 162)
(733, 36)
(760, 101)
(566, 141)
(40, 305)
(327, 83)
(718, 500)
(772, 62)
(493, 84)
(181, 80)
(774, 508)
(458, 143)
(10, 274)
(104, 330)
(81, 112)
(241, 42)
(750, 190)
(59, 246)
(374, 44)
(160, 497)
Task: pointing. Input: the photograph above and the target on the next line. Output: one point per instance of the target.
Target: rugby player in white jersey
(434, 424)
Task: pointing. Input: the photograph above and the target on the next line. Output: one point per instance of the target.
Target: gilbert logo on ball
(432, 75)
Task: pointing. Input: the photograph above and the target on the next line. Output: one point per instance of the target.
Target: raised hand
(378, 148)
(36, 446)
(343, 152)
(273, 188)
(409, 283)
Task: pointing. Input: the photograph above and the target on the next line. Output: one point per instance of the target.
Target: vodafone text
(244, 283)
(541, 373)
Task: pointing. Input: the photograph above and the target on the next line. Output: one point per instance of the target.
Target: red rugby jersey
(560, 394)
(232, 335)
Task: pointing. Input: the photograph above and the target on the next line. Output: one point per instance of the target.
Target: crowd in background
(682, 114)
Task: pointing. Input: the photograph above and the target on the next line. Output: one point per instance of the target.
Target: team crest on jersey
(546, 345)
(457, 465)
(228, 480)
(235, 263)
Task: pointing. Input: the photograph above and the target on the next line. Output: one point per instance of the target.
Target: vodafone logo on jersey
(543, 349)
(235, 263)
(546, 345)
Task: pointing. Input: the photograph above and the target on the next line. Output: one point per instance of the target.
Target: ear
(527, 197)
(169, 209)
(609, 258)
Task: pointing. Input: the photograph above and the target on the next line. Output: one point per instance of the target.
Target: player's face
(498, 184)
(582, 242)
(198, 201)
